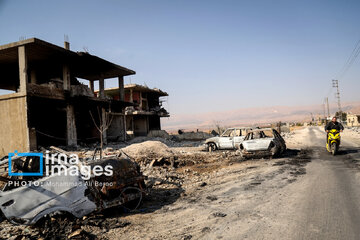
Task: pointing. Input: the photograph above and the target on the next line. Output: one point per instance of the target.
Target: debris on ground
(59, 191)
(219, 214)
(169, 168)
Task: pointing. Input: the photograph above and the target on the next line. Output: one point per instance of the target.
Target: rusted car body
(266, 142)
(35, 198)
(228, 140)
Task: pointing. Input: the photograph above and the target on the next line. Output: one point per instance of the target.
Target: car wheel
(243, 156)
(274, 151)
(212, 147)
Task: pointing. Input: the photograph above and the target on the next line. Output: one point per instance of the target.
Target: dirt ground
(201, 195)
(256, 199)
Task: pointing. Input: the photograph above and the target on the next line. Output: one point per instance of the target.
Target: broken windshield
(228, 133)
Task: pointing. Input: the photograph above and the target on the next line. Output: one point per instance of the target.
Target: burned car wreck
(266, 142)
(230, 138)
(26, 199)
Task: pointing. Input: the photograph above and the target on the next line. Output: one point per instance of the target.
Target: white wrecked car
(231, 138)
(25, 200)
(261, 143)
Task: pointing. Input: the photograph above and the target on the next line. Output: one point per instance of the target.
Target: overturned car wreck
(26, 199)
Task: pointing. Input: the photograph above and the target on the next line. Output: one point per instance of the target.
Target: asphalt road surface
(325, 203)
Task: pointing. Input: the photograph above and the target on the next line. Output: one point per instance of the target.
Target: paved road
(325, 203)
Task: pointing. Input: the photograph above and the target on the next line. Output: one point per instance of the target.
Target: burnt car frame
(35, 198)
(265, 142)
(229, 139)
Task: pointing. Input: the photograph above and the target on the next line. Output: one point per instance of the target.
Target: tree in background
(105, 119)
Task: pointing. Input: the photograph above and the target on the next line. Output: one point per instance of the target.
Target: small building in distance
(353, 120)
(147, 111)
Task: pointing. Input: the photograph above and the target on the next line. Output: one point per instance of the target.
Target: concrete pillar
(33, 139)
(140, 99)
(71, 135)
(132, 124)
(91, 85)
(103, 115)
(124, 119)
(66, 77)
(131, 95)
(22, 69)
(121, 88)
(147, 124)
(67, 45)
(101, 87)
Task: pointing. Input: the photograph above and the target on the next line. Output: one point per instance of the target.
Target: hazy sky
(208, 55)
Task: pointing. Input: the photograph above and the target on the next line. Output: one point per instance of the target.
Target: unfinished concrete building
(353, 120)
(146, 111)
(48, 105)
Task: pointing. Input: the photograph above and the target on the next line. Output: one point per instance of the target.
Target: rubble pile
(193, 136)
(146, 152)
(355, 129)
(67, 227)
(287, 135)
(63, 226)
(172, 142)
(167, 172)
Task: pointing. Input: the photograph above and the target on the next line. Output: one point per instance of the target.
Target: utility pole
(312, 118)
(335, 84)
(327, 105)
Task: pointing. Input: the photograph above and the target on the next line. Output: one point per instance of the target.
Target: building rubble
(165, 166)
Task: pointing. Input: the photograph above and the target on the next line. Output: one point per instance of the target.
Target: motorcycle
(333, 141)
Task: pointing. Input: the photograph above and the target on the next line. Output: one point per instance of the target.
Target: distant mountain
(252, 116)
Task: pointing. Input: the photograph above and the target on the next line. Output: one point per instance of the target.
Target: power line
(354, 54)
(335, 83)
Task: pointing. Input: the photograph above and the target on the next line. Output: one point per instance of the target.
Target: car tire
(212, 147)
(275, 151)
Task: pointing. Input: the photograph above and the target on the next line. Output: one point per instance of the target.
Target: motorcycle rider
(334, 124)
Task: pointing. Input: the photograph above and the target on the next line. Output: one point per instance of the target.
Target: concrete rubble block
(193, 136)
(159, 133)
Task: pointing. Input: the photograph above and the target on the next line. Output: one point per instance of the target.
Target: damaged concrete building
(146, 111)
(47, 104)
(353, 120)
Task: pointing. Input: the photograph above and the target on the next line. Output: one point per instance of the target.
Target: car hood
(213, 139)
(257, 144)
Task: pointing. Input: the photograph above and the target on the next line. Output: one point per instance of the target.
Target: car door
(239, 137)
(226, 140)
(256, 141)
(280, 139)
(53, 193)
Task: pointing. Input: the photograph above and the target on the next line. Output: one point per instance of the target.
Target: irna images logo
(59, 164)
(16, 154)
